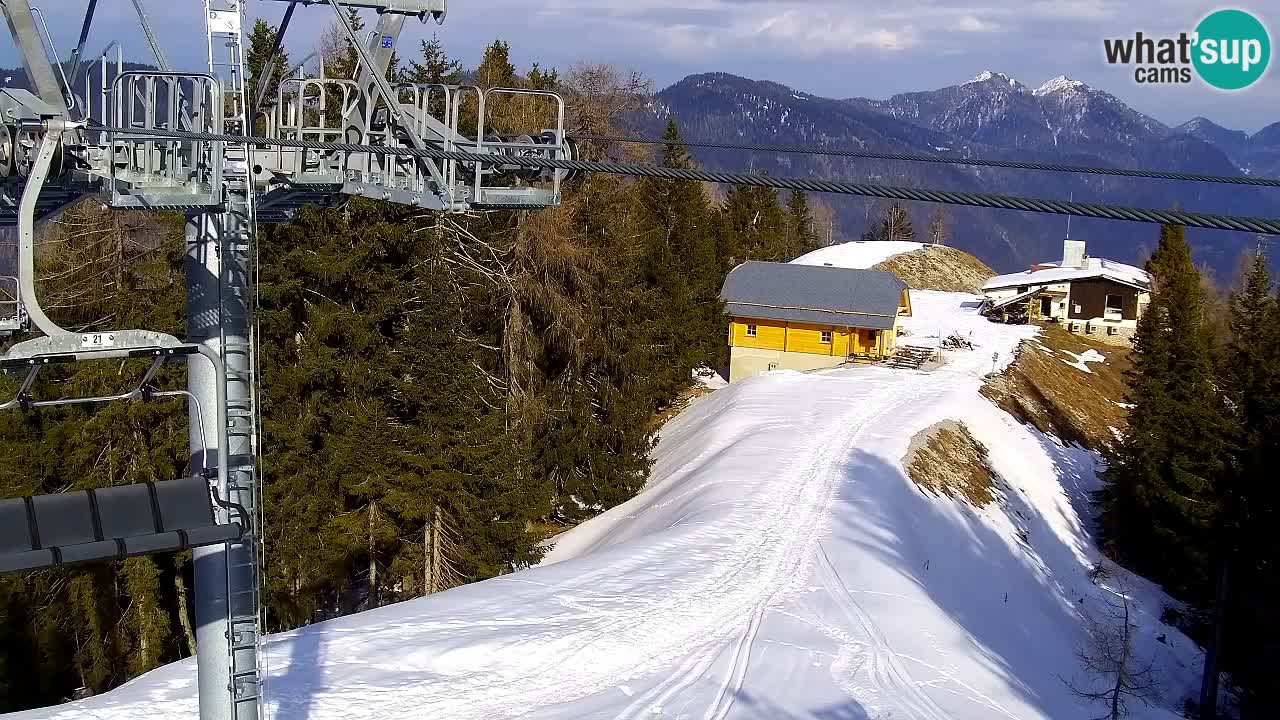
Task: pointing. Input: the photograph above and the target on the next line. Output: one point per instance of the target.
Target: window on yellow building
(826, 337)
(751, 331)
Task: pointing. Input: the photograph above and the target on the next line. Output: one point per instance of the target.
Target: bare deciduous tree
(824, 221)
(598, 96)
(1115, 674)
(938, 226)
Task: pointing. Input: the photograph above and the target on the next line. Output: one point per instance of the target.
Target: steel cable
(952, 160)
(1266, 226)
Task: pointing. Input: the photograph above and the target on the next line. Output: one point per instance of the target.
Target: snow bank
(779, 565)
(859, 254)
(708, 378)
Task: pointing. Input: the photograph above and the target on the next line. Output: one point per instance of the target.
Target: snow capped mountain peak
(1058, 84)
(1199, 123)
(988, 75)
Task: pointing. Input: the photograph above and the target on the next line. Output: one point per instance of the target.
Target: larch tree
(97, 626)
(938, 232)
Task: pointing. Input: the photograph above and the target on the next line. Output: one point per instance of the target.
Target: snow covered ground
(780, 565)
(858, 253)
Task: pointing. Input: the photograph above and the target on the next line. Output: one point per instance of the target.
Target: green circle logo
(1231, 49)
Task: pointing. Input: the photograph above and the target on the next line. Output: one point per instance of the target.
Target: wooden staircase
(911, 357)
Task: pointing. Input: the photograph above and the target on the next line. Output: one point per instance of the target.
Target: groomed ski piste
(780, 565)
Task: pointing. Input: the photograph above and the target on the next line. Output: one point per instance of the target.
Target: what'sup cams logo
(1229, 50)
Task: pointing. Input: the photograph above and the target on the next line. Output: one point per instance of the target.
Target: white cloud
(809, 33)
(969, 23)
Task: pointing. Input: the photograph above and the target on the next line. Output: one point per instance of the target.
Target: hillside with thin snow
(920, 266)
(780, 564)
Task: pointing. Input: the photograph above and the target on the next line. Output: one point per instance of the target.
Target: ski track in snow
(765, 572)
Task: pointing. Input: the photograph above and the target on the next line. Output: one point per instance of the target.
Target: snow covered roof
(1054, 273)
(813, 294)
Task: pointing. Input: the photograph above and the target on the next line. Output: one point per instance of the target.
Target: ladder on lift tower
(224, 20)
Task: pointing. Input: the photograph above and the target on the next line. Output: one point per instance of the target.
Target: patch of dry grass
(945, 459)
(938, 267)
(682, 401)
(1040, 389)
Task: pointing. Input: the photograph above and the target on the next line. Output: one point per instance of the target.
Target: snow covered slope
(857, 254)
(780, 565)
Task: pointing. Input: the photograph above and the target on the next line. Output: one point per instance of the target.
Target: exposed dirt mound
(945, 459)
(1046, 387)
(938, 267)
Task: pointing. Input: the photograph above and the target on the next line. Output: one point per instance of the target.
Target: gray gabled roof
(813, 294)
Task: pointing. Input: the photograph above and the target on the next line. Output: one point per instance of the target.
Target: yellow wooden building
(804, 317)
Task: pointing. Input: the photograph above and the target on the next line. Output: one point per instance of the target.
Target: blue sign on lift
(388, 42)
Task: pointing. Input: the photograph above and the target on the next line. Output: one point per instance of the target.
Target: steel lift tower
(144, 140)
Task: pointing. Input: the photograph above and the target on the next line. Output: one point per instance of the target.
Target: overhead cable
(1266, 226)
(951, 160)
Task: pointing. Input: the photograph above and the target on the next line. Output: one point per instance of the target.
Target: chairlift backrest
(108, 524)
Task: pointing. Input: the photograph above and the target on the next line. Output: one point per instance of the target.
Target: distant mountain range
(993, 116)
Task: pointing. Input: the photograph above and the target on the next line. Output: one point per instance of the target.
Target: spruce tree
(756, 226)
(1159, 505)
(261, 41)
(435, 67)
(680, 261)
(495, 69)
(1250, 377)
(801, 237)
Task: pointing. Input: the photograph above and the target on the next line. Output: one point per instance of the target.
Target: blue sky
(838, 48)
